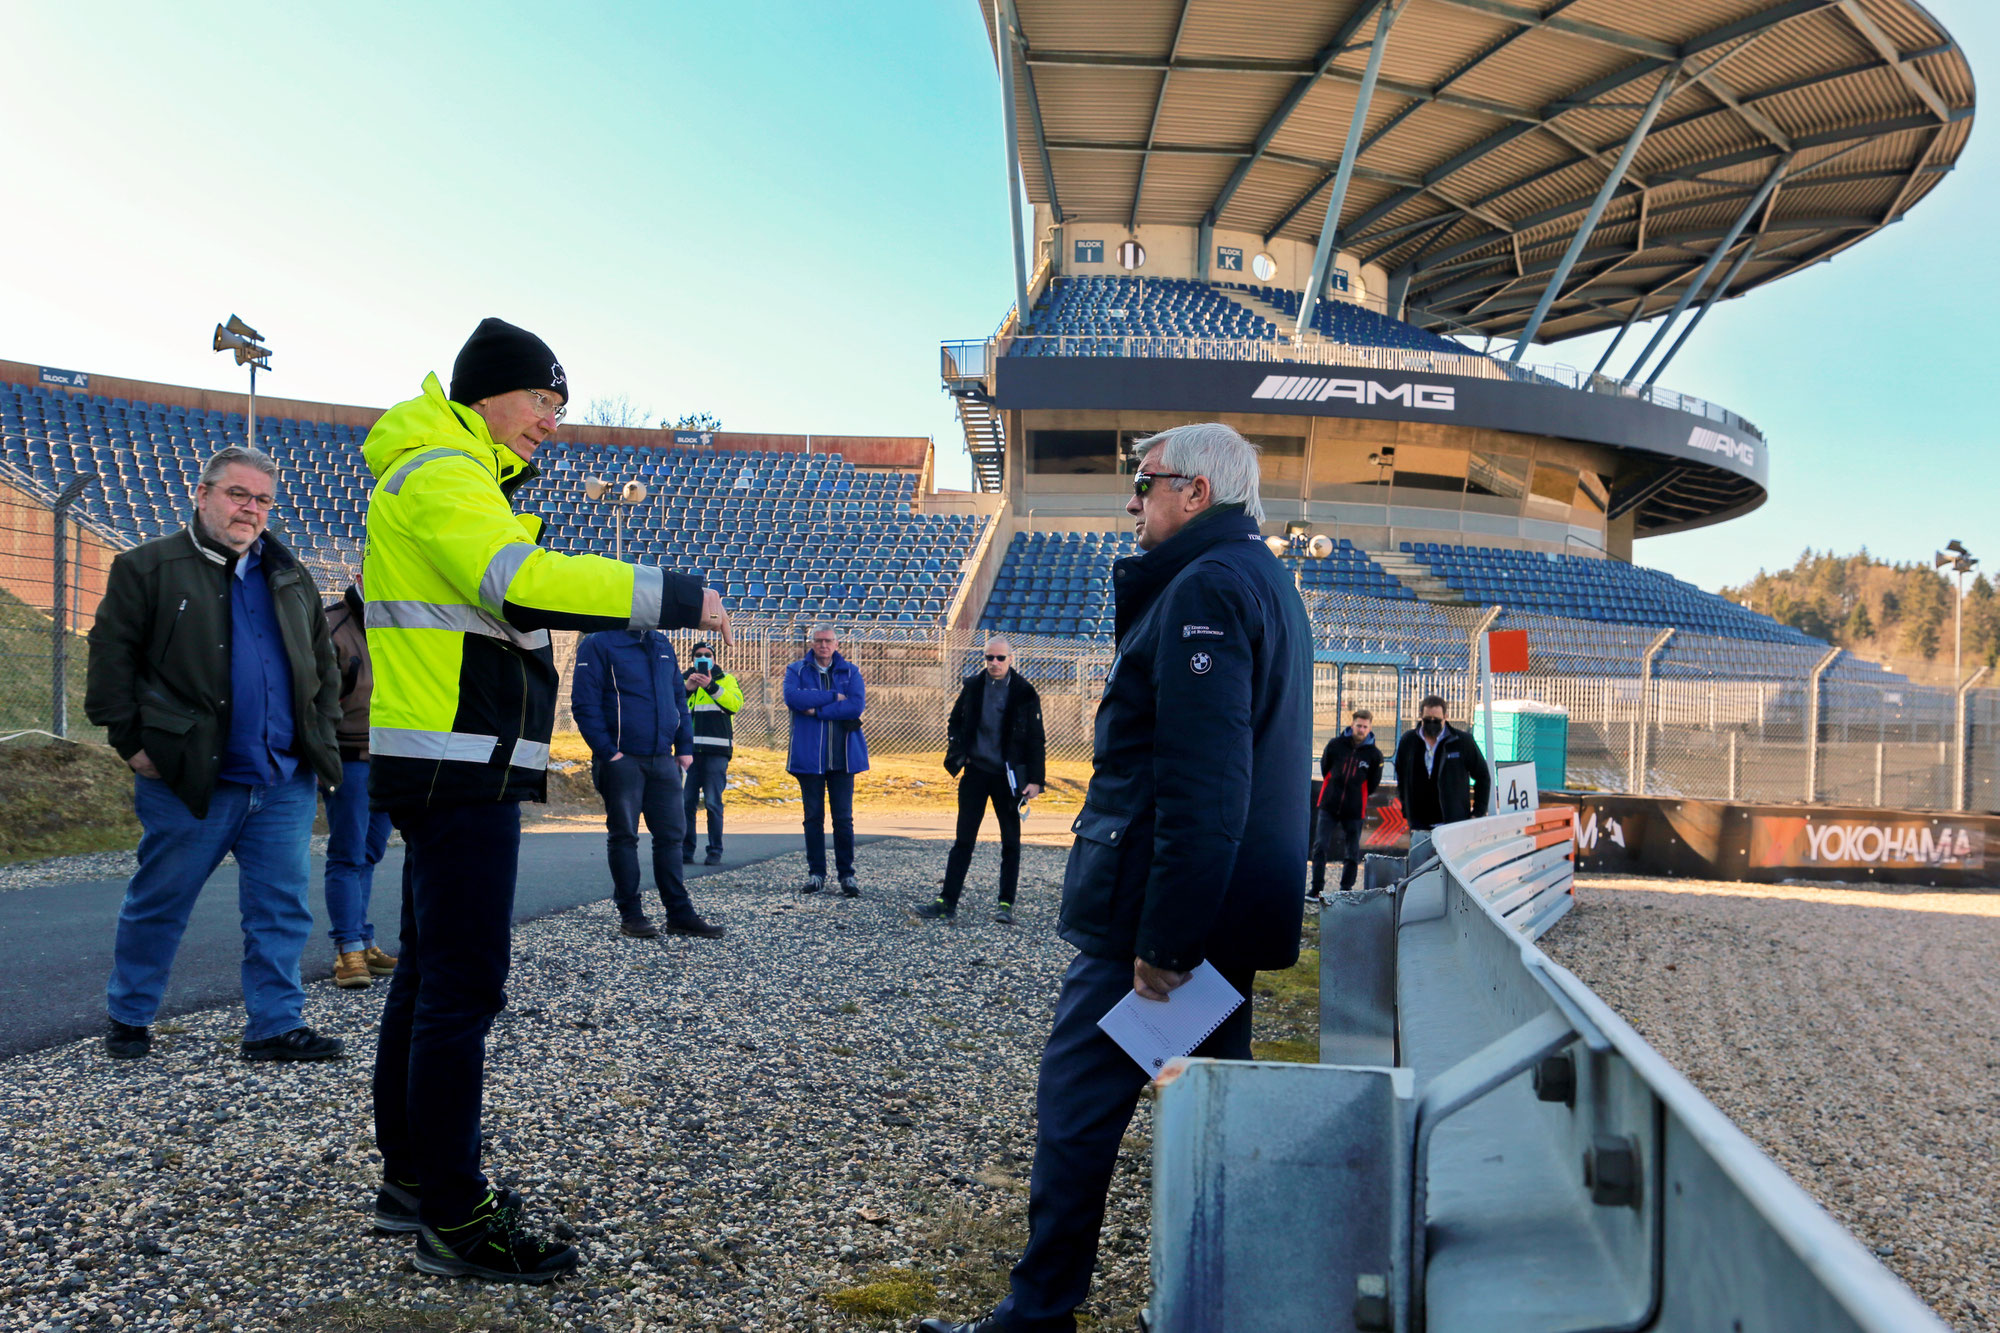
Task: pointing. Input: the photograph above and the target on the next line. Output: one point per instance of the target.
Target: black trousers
(459, 864)
(704, 784)
(649, 785)
(1084, 1099)
(1335, 840)
(975, 788)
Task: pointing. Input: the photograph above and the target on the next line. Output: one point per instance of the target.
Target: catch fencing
(1650, 711)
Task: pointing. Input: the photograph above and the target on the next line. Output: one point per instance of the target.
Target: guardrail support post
(1642, 742)
(1812, 724)
(1958, 726)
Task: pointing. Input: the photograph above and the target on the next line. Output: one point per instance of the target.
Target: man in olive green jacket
(213, 675)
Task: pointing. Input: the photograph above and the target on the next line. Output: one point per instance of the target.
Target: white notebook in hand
(1154, 1031)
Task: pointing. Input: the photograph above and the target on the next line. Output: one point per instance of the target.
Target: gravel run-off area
(1853, 1032)
(823, 1121)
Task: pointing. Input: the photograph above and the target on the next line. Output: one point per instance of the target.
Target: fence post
(1958, 729)
(1643, 741)
(1881, 762)
(1732, 764)
(59, 626)
(1812, 724)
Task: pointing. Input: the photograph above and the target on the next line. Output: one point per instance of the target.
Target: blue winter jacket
(813, 732)
(627, 695)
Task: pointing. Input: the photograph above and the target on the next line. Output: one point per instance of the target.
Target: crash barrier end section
(1549, 1169)
(1246, 1157)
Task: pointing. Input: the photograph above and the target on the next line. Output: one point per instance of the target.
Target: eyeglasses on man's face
(547, 406)
(1142, 482)
(239, 497)
(996, 657)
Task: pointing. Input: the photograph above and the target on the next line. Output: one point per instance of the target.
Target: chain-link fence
(1649, 709)
(50, 585)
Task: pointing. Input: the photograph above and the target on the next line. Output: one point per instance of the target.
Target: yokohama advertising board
(1794, 842)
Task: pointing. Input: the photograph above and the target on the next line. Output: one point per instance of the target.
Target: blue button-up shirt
(259, 749)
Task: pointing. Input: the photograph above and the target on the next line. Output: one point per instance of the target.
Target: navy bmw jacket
(1206, 718)
(627, 695)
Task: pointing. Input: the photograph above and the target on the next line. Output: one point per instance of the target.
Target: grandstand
(779, 532)
(1235, 221)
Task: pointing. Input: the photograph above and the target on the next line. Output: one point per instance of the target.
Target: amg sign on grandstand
(1715, 442)
(1320, 389)
(1795, 842)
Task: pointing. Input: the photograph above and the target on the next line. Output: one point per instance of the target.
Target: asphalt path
(58, 937)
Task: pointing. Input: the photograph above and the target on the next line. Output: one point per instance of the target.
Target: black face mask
(1433, 728)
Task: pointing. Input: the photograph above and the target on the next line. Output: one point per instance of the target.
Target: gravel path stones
(1853, 1033)
(734, 1130)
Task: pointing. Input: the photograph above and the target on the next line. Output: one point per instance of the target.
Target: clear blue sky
(774, 212)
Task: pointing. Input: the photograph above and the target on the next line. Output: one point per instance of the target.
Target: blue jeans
(459, 865)
(649, 785)
(270, 830)
(817, 789)
(705, 782)
(1083, 1101)
(356, 839)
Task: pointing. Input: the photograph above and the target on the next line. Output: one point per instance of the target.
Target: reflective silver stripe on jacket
(722, 741)
(395, 483)
(410, 743)
(463, 619)
(456, 746)
(500, 572)
(649, 589)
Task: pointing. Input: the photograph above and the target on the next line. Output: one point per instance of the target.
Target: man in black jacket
(1440, 775)
(213, 676)
(1350, 770)
(994, 746)
(1206, 717)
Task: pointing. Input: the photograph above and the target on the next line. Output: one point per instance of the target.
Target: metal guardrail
(1518, 1158)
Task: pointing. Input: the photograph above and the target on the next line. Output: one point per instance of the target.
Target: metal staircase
(985, 439)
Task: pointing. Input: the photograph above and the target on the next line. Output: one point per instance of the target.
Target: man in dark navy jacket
(1207, 716)
(633, 713)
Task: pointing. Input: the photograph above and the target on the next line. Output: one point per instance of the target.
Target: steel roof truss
(1872, 33)
(1749, 248)
(1321, 64)
(1166, 77)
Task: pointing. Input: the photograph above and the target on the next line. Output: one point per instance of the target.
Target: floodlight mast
(1960, 561)
(238, 337)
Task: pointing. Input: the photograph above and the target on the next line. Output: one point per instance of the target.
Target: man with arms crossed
(1207, 717)
(460, 604)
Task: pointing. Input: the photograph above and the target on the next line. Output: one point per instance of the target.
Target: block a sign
(1227, 260)
(1089, 252)
(69, 379)
(1794, 842)
(693, 439)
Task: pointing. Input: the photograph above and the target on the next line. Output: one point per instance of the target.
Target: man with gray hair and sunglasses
(1206, 717)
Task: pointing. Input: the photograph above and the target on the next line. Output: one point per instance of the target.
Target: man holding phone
(713, 697)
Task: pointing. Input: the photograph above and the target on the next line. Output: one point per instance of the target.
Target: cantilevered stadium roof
(1787, 130)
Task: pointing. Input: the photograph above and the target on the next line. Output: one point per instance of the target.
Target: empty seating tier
(780, 534)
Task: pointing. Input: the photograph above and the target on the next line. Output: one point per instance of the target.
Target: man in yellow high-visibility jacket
(460, 604)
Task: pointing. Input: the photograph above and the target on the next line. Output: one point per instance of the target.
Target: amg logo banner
(1319, 389)
(1715, 442)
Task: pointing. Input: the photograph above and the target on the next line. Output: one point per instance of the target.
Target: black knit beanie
(500, 357)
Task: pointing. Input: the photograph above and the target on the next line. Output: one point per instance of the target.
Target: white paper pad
(1154, 1032)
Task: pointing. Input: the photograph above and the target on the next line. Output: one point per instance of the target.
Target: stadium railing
(1518, 1159)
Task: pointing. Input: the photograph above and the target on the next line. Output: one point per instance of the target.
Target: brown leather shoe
(379, 964)
(350, 971)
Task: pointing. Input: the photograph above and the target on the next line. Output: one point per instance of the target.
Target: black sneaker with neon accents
(494, 1245)
(396, 1206)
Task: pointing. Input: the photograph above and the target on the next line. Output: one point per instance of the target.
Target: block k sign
(1507, 649)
